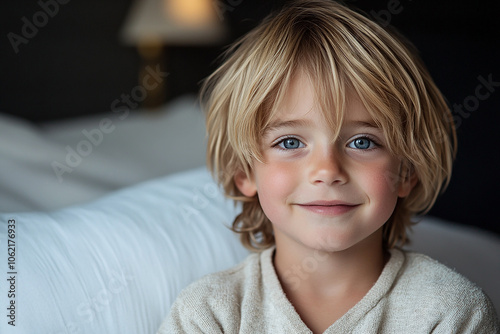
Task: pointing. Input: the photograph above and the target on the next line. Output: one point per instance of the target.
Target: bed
(103, 243)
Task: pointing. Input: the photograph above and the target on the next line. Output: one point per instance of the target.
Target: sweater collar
(279, 301)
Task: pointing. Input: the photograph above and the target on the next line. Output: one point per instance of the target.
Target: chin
(336, 242)
(331, 243)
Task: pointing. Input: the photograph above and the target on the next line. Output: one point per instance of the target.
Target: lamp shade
(185, 22)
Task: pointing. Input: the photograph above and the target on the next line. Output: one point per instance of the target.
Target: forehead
(303, 97)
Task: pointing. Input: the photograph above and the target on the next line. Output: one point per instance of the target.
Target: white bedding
(141, 146)
(116, 265)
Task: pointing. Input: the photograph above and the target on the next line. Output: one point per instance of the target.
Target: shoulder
(214, 301)
(437, 291)
(225, 286)
(434, 277)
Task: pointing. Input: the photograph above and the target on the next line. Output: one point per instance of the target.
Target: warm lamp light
(185, 22)
(190, 12)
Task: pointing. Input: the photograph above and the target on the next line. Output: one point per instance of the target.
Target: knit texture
(414, 294)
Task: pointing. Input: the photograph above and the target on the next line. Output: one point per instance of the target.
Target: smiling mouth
(329, 208)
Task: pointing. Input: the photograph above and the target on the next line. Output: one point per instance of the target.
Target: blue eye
(362, 143)
(290, 143)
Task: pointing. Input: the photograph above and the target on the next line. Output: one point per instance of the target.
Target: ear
(408, 180)
(245, 184)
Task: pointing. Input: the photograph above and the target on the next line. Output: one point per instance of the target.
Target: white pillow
(116, 265)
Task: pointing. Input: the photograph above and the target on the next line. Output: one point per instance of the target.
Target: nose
(326, 166)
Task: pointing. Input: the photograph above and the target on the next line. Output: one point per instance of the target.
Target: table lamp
(153, 24)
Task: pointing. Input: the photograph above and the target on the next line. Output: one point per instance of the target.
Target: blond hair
(340, 50)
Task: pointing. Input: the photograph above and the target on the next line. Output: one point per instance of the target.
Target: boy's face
(319, 193)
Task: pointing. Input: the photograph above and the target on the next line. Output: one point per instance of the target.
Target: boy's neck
(322, 286)
(302, 270)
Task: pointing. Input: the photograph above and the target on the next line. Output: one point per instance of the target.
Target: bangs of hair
(346, 53)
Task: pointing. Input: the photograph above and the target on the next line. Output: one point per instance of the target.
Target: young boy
(332, 133)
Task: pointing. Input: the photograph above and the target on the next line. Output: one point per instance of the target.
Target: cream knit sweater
(414, 294)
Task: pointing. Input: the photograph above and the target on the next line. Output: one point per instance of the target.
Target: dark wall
(75, 65)
(71, 65)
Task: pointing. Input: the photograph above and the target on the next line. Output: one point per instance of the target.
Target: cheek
(380, 185)
(274, 185)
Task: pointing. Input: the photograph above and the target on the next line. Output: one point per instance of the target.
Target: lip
(329, 208)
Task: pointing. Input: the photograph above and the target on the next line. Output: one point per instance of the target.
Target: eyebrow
(364, 124)
(278, 124)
